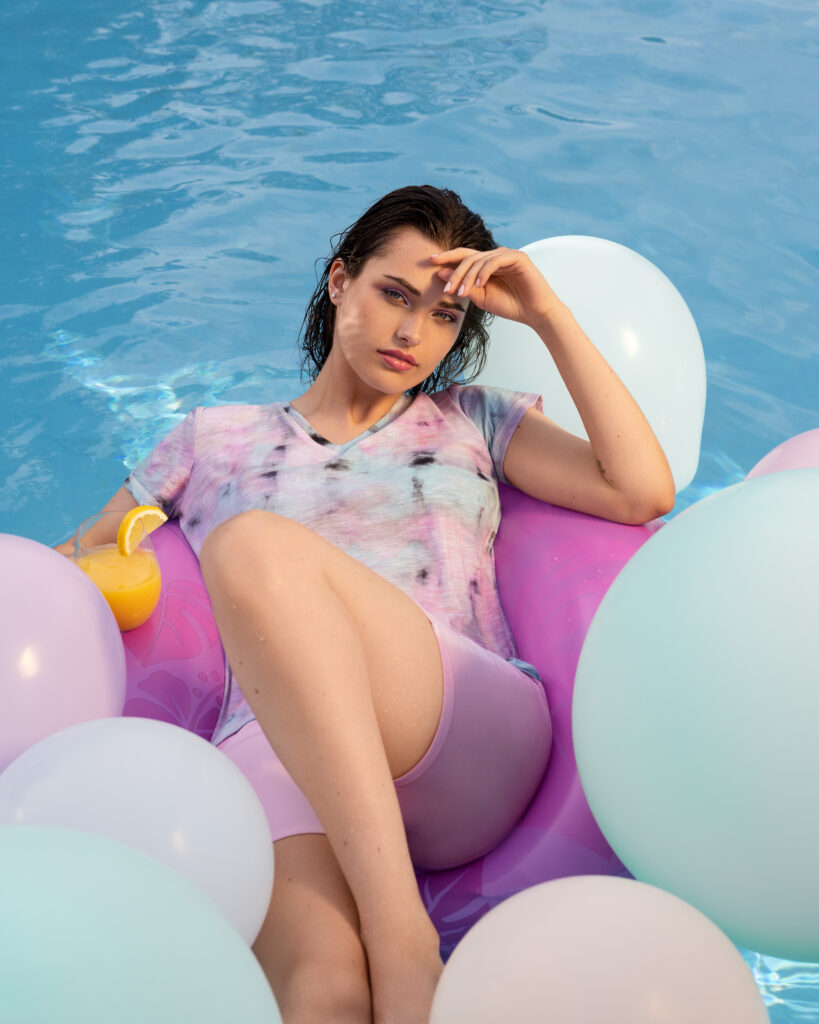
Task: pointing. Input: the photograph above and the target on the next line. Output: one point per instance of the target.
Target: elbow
(643, 504)
(666, 498)
(658, 497)
(651, 507)
(667, 504)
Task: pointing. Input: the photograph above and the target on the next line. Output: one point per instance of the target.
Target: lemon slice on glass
(143, 518)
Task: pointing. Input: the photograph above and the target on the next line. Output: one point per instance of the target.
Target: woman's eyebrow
(444, 302)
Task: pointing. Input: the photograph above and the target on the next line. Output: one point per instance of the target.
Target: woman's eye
(394, 293)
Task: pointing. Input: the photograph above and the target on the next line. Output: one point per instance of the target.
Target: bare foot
(404, 971)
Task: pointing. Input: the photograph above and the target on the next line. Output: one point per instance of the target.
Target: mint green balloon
(696, 712)
(95, 932)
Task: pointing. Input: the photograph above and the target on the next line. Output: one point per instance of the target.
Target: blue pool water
(172, 168)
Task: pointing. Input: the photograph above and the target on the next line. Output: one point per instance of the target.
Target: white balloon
(638, 321)
(160, 789)
(595, 948)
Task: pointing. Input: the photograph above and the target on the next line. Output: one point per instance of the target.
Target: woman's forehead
(407, 247)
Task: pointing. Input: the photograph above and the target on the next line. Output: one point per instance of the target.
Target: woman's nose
(409, 328)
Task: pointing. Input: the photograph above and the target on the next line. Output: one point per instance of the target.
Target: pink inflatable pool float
(553, 568)
(175, 664)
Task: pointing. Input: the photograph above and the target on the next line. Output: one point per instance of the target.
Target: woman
(346, 541)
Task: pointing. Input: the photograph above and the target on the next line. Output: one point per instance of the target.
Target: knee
(234, 532)
(230, 558)
(333, 993)
(229, 546)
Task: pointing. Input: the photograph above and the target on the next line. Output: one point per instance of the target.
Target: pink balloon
(800, 452)
(553, 568)
(61, 659)
(589, 949)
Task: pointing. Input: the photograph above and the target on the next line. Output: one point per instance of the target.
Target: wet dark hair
(441, 215)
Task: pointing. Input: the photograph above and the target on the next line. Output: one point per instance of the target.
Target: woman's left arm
(621, 473)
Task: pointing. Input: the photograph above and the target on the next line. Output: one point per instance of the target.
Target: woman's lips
(396, 361)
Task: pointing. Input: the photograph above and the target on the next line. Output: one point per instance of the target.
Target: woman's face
(396, 302)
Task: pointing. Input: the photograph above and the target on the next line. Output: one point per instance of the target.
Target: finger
(481, 271)
(452, 255)
(469, 278)
(477, 274)
(460, 271)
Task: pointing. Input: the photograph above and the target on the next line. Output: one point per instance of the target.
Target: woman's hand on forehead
(504, 282)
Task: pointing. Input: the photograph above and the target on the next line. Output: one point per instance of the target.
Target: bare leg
(310, 945)
(343, 673)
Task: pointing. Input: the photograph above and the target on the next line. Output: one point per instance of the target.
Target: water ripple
(174, 170)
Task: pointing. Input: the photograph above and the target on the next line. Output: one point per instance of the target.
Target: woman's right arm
(104, 532)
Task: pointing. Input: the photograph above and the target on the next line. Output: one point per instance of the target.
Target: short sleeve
(162, 476)
(496, 412)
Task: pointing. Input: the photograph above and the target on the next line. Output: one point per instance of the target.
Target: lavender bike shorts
(473, 784)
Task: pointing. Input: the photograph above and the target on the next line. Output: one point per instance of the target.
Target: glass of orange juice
(129, 583)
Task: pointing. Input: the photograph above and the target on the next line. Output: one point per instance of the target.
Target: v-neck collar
(403, 402)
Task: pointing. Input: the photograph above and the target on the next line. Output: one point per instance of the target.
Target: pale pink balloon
(593, 949)
(61, 657)
(800, 452)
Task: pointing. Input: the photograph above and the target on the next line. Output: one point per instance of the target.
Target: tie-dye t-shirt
(414, 497)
